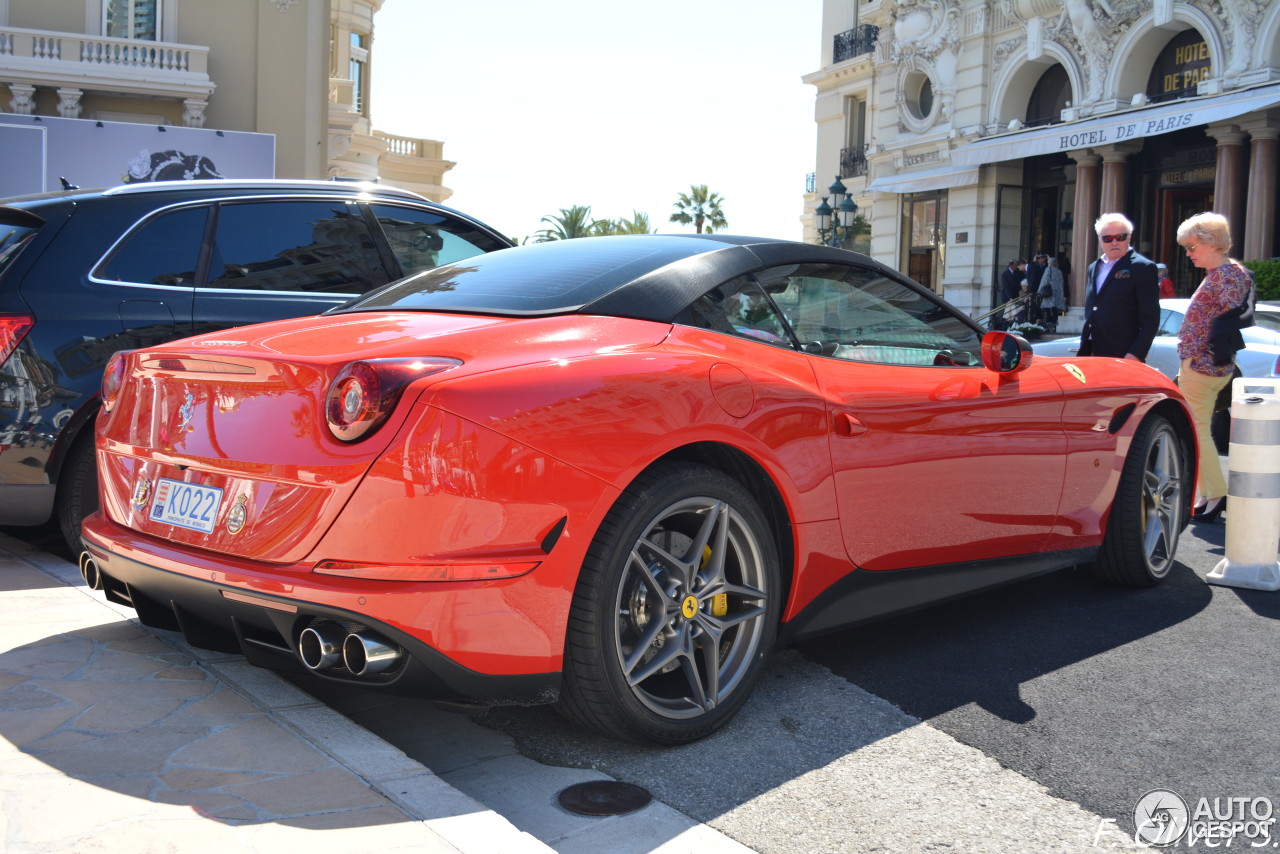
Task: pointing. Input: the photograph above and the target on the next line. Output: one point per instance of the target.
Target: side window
(421, 239)
(1170, 322)
(739, 307)
(313, 246)
(857, 314)
(164, 250)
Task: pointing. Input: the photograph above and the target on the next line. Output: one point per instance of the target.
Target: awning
(1116, 127)
(925, 180)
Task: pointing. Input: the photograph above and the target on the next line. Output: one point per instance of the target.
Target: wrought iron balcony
(853, 162)
(855, 42)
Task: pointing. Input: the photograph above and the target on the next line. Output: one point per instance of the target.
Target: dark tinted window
(12, 239)
(163, 250)
(421, 239)
(540, 278)
(294, 246)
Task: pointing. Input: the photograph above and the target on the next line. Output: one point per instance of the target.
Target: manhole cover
(604, 797)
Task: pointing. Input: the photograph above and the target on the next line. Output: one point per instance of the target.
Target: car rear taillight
(13, 328)
(113, 379)
(364, 393)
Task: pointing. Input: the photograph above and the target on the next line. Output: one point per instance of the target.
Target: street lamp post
(835, 224)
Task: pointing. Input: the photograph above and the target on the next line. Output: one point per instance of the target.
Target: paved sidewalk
(114, 738)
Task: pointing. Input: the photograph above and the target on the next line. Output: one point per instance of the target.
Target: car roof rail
(372, 187)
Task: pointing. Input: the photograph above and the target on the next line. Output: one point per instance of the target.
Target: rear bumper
(262, 622)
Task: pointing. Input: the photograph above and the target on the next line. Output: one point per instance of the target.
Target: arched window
(1180, 67)
(1051, 96)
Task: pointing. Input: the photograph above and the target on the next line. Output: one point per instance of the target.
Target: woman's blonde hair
(1209, 228)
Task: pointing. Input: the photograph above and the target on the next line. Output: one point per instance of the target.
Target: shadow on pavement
(114, 706)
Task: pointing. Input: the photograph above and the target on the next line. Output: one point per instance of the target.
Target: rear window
(543, 278)
(12, 240)
(164, 250)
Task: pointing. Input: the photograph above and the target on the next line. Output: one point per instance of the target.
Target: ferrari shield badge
(1075, 371)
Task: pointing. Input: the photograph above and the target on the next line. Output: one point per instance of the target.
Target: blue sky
(544, 104)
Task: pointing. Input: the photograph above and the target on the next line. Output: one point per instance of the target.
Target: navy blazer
(1124, 317)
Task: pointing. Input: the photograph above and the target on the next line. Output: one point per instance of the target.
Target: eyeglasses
(1115, 238)
(1192, 248)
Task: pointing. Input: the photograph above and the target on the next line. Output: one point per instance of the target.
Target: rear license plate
(188, 505)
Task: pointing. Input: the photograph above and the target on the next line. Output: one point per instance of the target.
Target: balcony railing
(854, 42)
(853, 162)
(97, 52)
(407, 146)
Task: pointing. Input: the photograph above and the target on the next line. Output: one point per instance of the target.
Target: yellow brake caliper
(720, 601)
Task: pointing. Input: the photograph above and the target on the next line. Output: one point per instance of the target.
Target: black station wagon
(84, 273)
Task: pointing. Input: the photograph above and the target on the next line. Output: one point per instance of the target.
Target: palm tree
(572, 222)
(700, 206)
(638, 224)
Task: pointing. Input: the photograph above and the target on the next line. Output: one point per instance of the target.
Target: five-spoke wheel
(1149, 510)
(675, 609)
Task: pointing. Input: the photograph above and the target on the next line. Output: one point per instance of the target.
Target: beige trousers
(1201, 393)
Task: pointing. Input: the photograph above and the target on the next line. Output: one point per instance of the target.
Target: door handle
(848, 425)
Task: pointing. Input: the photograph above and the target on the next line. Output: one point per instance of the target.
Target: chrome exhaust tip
(89, 571)
(320, 646)
(368, 654)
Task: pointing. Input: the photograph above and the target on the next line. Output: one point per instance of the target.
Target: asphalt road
(1011, 720)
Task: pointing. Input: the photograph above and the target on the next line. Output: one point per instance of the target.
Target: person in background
(1166, 283)
(1207, 343)
(1053, 294)
(1010, 289)
(1121, 295)
(1035, 272)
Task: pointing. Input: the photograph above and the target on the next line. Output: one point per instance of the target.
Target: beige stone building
(296, 69)
(969, 132)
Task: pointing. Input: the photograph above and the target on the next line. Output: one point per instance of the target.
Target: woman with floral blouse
(1208, 341)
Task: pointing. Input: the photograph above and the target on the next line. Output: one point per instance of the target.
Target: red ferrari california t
(613, 473)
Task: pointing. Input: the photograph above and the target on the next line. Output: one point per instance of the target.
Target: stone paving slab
(115, 737)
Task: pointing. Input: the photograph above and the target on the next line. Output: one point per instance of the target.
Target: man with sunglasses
(1122, 295)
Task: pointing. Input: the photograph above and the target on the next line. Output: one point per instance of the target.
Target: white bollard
(1253, 488)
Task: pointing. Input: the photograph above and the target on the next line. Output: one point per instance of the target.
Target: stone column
(22, 101)
(1115, 171)
(1228, 198)
(1260, 220)
(1084, 240)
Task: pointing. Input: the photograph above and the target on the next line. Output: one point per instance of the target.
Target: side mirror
(1005, 353)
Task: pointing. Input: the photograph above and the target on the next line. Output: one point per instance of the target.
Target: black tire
(1149, 510)
(637, 664)
(77, 495)
(1220, 429)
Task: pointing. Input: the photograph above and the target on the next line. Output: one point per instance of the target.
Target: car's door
(937, 459)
